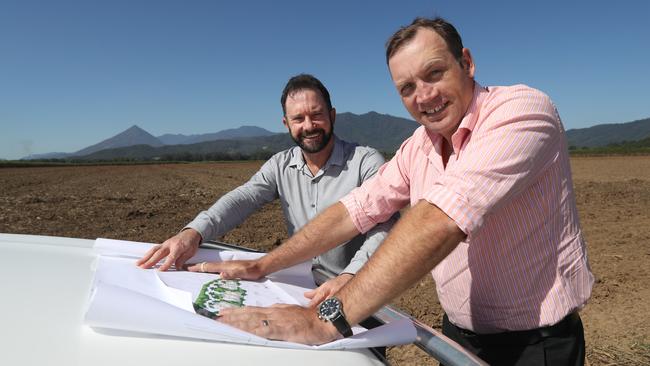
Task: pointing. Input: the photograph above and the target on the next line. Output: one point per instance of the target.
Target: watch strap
(342, 325)
(337, 318)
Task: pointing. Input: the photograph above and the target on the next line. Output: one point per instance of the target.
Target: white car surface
(45, 283)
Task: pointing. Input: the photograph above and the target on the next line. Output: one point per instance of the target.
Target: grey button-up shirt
(286, 176)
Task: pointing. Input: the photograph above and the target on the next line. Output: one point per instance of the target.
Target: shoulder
(355, 152)
(517, 98)
(281, 159)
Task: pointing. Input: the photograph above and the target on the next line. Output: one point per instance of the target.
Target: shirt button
(313, 205)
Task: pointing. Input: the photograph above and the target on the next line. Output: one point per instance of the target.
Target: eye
(434, 74)
(406, 90)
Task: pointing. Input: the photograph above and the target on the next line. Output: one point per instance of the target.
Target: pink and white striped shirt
(508, 186)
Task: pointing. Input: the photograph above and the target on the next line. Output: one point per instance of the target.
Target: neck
(315, 161)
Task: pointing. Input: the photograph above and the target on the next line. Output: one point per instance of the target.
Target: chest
(427, 170)
(299, 189)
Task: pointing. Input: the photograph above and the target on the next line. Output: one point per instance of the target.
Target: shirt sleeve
(517, 140)
(370, 165)
(235, 206)
(378, 198)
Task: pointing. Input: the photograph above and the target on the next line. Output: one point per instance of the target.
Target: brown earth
(151, 202)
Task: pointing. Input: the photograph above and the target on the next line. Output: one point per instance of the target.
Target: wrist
(328, 329)
(263, 266)
(331, 311)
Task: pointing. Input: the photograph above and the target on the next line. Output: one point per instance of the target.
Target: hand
(244, 269)
(327, 289)
(281, 322)
(178, 249)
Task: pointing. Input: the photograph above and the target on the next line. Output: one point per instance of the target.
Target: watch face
(330, 307)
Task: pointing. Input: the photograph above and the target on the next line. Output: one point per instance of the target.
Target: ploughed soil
(152, 202)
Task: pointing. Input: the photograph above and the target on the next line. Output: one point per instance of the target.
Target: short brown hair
(304, 81)
(438, 25)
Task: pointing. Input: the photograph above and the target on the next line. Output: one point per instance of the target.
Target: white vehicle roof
(45, 288)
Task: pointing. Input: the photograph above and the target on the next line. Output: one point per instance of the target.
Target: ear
(332, 116)
(468, 62)
(285, 123)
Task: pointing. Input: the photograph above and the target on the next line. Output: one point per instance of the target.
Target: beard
(316, 145)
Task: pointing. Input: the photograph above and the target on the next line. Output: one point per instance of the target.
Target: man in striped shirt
(493, 216)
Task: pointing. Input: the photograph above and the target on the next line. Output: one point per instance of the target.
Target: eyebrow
(318, 109)
(432, 63)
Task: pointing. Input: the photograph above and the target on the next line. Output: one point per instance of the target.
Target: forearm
(329, 229)
(229, 211)
(417, 243)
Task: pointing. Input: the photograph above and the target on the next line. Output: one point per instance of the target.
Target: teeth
(436, 109)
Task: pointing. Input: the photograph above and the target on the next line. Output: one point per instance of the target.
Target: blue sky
(73, 73)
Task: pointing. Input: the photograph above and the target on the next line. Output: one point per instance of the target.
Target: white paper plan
(184, 304)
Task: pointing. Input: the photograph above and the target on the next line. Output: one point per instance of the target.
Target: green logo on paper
(219, 294)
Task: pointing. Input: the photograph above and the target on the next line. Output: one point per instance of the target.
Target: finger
(227, 275)
(147, 255)
(181, 260)
(208, 267)
(215, 267)
(317, 299)
(227, 270)
(171, 258)
(309, 294)
(155, 258)
(194, 267)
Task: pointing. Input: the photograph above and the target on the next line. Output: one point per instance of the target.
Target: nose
(310, 122)
(425, 92)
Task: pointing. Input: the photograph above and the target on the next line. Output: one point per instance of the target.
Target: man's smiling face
(435, 88)
(309, 120)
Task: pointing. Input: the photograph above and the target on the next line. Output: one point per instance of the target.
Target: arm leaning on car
(419, 241)
(229, 211)
(304, 245)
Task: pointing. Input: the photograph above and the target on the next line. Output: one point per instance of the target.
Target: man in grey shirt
(307, 179)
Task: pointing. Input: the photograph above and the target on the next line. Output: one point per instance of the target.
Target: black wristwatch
(332, 310)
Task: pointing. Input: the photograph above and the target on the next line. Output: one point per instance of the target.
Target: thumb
(227, 275)
(318, 296)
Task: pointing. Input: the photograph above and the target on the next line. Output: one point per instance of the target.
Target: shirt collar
(338, 156)
(471, 116)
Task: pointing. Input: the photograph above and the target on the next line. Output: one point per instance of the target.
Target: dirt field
(151, 202)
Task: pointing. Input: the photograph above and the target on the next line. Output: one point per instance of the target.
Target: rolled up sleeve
(378, 198)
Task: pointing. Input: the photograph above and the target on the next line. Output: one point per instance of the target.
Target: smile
(312, 135)
(436, 109)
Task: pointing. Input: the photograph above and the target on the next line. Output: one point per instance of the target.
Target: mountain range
(135, 135)
(611, 133)
(381, 131)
